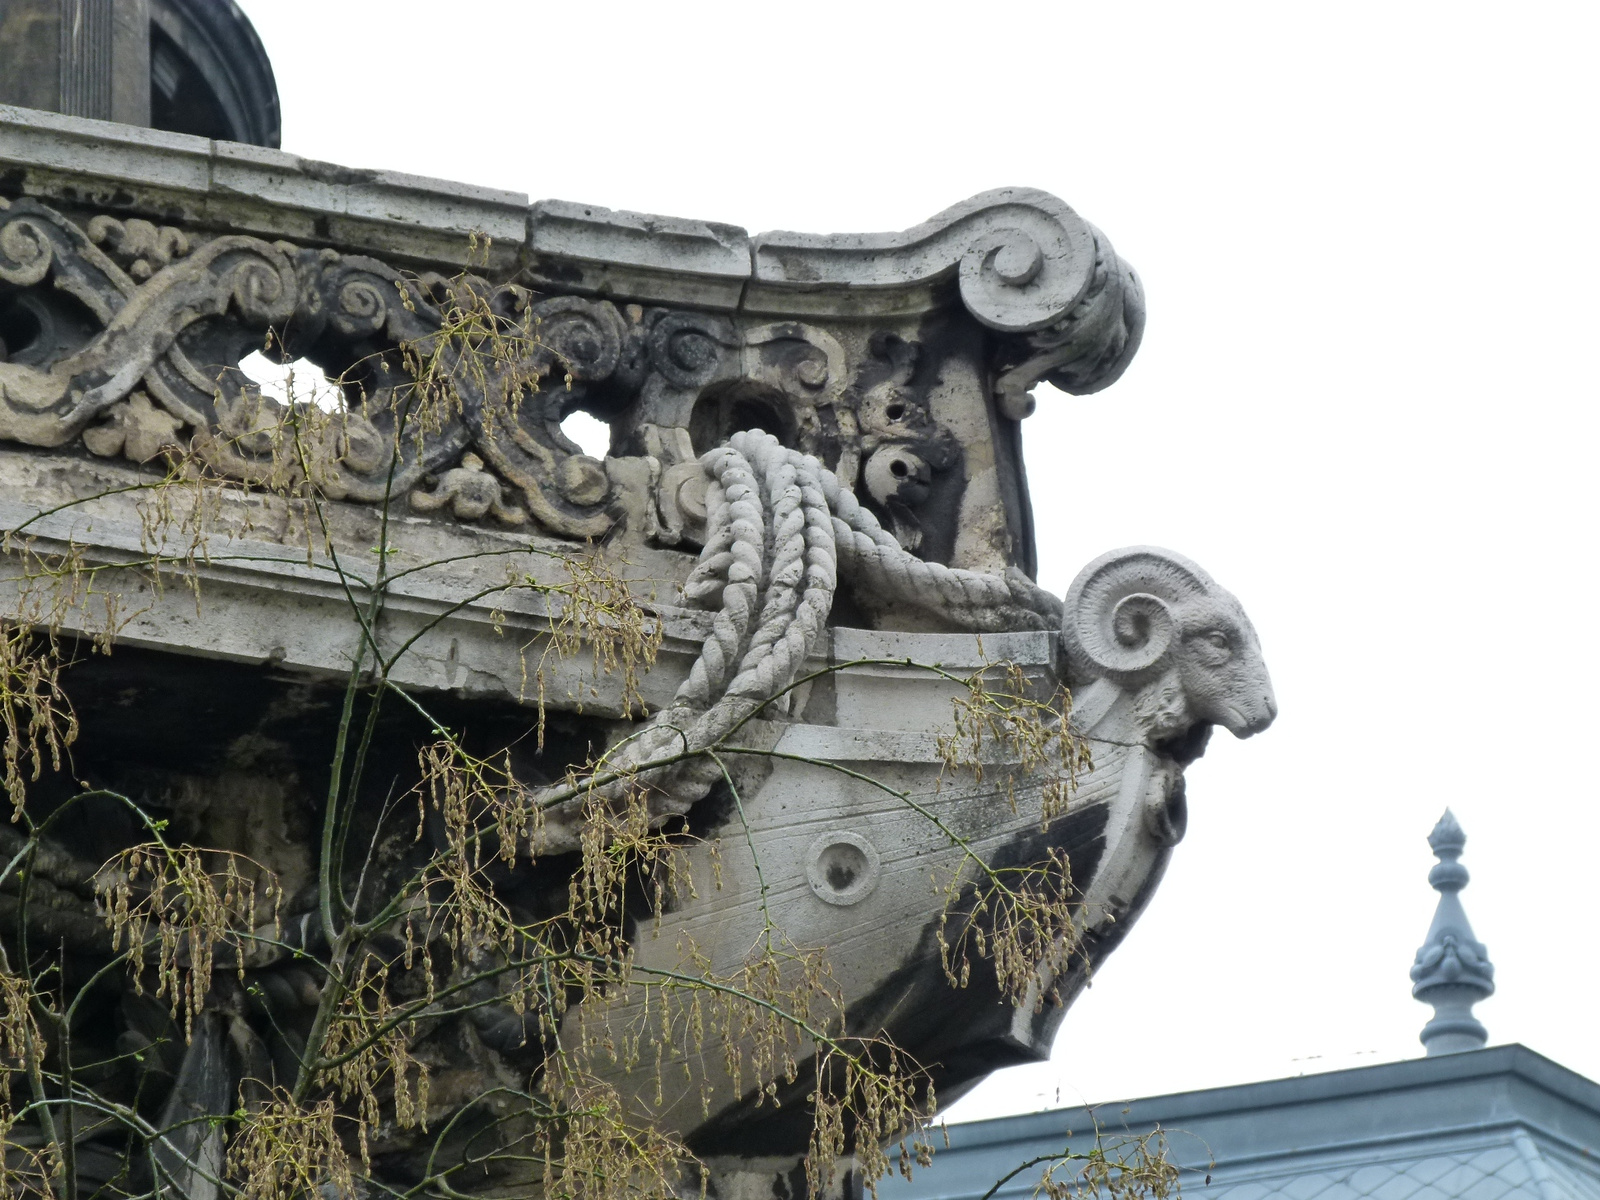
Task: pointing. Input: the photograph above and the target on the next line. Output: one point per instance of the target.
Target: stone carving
(903, 448)
(842, 868)
(1178, 648)
(1084, 351)
(1146, 702)
(471, 492)
(1157, 655)
(134, 428)
(807, 365)
(181, 333)
(174, 314)
(781, 532)
(1027, 265)
(141, 247)
(1022, 258)
(807, 479)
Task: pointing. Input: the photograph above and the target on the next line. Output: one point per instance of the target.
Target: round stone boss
(843, 868)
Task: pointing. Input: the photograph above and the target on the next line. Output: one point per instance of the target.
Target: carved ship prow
(873, 845)
(887, 540)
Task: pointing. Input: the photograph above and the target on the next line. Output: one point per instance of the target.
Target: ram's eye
(1213, 647)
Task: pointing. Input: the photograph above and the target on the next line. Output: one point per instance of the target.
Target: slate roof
(1493, 1168)
(1496, 1124)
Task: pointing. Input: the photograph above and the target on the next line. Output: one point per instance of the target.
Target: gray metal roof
(1497, 1124)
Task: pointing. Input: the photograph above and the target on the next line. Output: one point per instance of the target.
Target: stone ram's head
(1156, 624)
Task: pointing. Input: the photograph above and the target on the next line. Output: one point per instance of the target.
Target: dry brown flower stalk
(174, 901)
(285, 1150)
(35, 712)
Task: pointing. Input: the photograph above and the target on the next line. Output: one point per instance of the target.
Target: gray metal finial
(1452, 971)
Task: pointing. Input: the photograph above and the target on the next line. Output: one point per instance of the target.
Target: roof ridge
(1550, 1188)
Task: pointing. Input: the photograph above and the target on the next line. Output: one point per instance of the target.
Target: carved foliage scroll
(450, 391)
(156, 357)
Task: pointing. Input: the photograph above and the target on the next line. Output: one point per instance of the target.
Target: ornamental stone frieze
(890, 358)
(813, 488)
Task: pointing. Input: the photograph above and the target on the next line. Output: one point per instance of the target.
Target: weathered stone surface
(895, 409)
(267, 601)
(189, 66)
(582, 247)
(251, 189)
(812, 487)
(1021, 259)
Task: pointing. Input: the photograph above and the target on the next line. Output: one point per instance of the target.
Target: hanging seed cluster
(173, 900)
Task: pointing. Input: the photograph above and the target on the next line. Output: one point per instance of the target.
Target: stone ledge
(1021, 259)
(249, 189)
(664, 259)
(1017, 259)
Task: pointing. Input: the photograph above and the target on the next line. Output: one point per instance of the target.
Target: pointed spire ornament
(1452, 971)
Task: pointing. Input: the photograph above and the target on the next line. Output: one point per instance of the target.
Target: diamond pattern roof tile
(1491, 1173)
(1307, 1187)
(1578, 1185)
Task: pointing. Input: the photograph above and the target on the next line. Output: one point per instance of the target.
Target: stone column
(85, 58)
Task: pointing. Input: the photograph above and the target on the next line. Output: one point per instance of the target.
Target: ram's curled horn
(1118, 618)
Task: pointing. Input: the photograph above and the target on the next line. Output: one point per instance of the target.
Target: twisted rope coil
(781, 533)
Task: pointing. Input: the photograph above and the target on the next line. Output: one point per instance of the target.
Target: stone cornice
(144, 267)
(1017, 259)
(1022, 258)
(636, 256)
(249, 189)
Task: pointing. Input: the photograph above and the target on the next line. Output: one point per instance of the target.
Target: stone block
(435, 204)
(881, 694)
(637, 255)
(47, 144)
(1022, 258)
(272, 177)
(380, 212)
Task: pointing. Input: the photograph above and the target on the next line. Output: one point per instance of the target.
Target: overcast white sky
(1365, 403)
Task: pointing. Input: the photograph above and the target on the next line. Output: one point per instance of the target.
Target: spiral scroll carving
(686, 348)
(162, 374)
(581, 338)
(263, 282)
(177, 313)
(25, 252)
(1089, 348)
(1026, 271)
(363, 307)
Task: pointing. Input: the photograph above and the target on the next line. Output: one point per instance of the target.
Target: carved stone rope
(781, 531)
